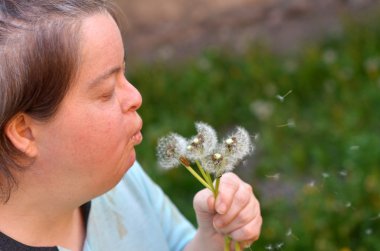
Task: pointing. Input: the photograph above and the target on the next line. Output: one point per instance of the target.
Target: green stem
(227, 243)
(217, 182)
(237, 246)
(199, 178)
(205, 175)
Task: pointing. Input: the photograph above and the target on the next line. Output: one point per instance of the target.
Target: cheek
(100, 138)
(91, 138)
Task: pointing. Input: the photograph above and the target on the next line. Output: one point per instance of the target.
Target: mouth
(137, 137)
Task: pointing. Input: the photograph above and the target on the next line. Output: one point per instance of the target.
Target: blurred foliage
(317, 114)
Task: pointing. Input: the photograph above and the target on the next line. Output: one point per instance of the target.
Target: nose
(130, 98)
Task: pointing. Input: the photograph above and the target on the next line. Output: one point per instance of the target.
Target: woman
(69, 125)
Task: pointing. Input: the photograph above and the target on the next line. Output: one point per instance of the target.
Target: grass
(316, 167)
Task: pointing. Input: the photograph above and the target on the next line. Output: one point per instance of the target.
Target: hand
(234, 213)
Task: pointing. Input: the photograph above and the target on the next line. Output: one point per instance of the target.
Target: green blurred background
(315, 116)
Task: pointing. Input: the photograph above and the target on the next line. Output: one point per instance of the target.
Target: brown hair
(39, 48)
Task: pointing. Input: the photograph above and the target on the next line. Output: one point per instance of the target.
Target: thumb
(204, 206)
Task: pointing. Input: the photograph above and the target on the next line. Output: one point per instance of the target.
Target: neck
(42, 222)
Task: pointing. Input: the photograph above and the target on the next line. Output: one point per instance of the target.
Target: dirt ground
(178, 29)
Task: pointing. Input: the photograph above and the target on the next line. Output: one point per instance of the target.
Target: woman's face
(89, 144)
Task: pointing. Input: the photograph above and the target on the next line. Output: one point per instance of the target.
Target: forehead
(101, 45)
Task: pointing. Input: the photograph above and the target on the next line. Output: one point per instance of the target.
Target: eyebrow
(104, 76)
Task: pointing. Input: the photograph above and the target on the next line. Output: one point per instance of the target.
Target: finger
(249, 232)
(243, 198)
(229, 185)
(242, 217)
(204, 209)
(204, 201)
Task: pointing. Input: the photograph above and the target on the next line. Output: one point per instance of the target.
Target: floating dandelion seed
(311, 183)
(269, 247)
(329, 56)
(368, 231)
(376, 217)
(256, 136)
(282, 98)
(343, 173)
(290, 66)
(372, 65)
(325, 175)
(289, 232)
(279, 245)
(348, 204)
(354, 148)
(290, 124)
(170, 149)
(263, 110)
(275, 176)
(203, 143)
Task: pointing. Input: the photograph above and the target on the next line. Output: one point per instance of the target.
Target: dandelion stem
(205, 175)
(237, 246)
(199, 178)
(227, 243)
(217, 182)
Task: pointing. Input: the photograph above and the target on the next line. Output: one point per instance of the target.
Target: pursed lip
(137, 136)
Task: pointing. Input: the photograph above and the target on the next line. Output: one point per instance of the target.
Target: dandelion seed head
(203, 143)
(229, 141)
(170, 149)
(217, 156)
(238, 144)
(218, 163)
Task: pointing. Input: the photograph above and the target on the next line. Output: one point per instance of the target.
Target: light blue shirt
(136, 216)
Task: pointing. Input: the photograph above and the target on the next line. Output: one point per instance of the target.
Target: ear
(19, 132)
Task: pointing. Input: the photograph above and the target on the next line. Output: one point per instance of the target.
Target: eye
(107, 95)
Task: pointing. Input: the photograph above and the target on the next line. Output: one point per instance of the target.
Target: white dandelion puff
(238, 144)
(218, 163)
(203, 143)
(170, 149)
